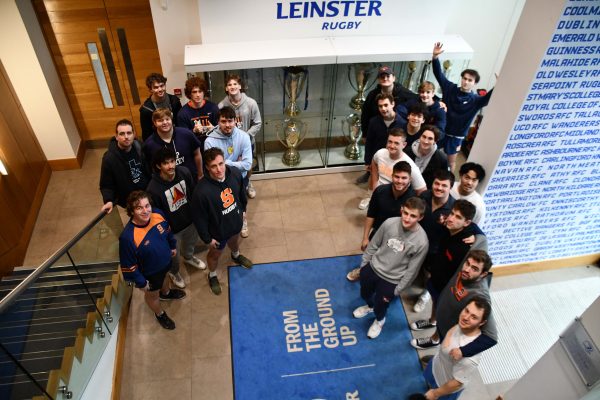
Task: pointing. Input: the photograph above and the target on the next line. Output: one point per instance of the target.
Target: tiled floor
(291, 218)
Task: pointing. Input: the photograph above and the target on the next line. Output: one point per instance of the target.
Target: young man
(447, 377)
(219, 202)
(386, 85)
(171, 189)
(146, 246)
(463, 104)
(414, 122)
(236, 146)
(391, 261)
(468, 281)
(383, 162)
(247, 116)
(181, 140)
(198, 115)
(123, 169)
(438, 205)
(436, 115)
(470, 176)
(452, 249)
(424, 152)
(385, 203)
(159, 98)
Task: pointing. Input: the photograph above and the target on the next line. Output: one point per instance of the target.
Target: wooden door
(122, 35)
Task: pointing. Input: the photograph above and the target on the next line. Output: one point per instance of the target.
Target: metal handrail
(31, 278)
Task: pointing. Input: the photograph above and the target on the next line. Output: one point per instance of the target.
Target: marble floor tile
(212, 378)
(302, 212)
(309, 244)
(266, 229)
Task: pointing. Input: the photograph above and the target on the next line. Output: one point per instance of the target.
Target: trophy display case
(311, 113)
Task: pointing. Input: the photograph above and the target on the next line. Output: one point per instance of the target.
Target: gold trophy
(293, 129)
(351, 128)
(361, 77)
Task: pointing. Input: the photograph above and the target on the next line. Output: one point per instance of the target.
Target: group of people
(188, 180)
(421, 222)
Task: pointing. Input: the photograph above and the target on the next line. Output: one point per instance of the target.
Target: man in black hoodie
(171, 191)
(123, 169)
(218, 205)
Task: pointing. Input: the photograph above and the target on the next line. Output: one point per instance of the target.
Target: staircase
(44, 320)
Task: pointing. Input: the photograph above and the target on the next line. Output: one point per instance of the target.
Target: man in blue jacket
(146, 246)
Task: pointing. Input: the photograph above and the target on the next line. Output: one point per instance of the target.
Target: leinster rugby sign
(330, 12)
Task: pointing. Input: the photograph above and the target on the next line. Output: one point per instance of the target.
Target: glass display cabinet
(311, 113)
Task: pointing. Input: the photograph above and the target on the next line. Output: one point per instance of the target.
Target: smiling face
(167, 169)
(400, 181)
(395, 145)
(415, 121)
(471, 318)
(142, 211)
(164, 125)
(158, 90)
(441, 189)
(455, 221)
(233, 87)
(426, 142)
(426, 96)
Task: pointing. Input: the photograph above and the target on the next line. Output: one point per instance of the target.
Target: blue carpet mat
(294, 337)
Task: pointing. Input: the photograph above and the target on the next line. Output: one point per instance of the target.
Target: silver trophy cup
(291, 132)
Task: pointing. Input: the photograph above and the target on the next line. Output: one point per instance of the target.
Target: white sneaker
(364, 203)
(177, 280)
(250, 191)
(375, 329)
(244, 232)
(195, 262)
(422, 302)
(362, 311)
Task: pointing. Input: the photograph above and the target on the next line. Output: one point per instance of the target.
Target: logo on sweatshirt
(176, 197)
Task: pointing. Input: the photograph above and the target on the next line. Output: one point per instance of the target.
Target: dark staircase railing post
(88, 292)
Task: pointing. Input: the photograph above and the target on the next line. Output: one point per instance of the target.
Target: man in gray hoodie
(247, 116)
(391, 262)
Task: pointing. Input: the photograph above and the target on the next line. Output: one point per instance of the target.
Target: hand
(437, 49)
(197, 127)
(214, 244)
(443, 106)
(469, 240)
(430, 395)
(107, 207)
(364, 244)
(173, 252)
(456, 354)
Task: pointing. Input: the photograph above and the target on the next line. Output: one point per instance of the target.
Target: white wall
(488, 27)
(176, 23)
(41, 95)
(554, 376)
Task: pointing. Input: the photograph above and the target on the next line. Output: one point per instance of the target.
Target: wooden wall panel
(69, 26)
(22, 190)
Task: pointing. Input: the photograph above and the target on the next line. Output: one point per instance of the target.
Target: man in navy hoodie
(218, 205)
(463, 105)
(171, 190)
